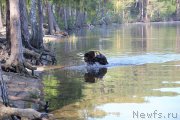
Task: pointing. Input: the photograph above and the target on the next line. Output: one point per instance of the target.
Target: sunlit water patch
(175, 90)
(167, 82)
(154, 108)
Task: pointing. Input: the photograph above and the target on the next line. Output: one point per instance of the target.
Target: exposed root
(30, 114)
(32, 56)
(42, 57)
(31, 53)
(19, 67)
(38, 101)
(37, 58)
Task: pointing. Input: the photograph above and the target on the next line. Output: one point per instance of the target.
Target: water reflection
(146, 74)
(62, 88)
(93, 75)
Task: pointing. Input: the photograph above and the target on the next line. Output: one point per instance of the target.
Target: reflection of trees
(153, 37)
(164, 37)
(140, 36)
(177, 38)
(62, 88)
(121, 85)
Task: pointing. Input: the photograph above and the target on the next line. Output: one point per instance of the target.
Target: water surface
(141, 81)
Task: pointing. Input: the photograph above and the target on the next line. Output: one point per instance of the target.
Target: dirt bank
(23, 92)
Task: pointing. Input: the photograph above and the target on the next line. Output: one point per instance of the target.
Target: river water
(141, 81)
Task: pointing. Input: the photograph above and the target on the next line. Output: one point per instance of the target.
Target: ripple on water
(131, 60)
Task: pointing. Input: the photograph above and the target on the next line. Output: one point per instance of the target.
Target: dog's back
(95, 56)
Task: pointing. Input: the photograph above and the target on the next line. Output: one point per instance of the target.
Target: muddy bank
(22, 98)
(23, 92)
(20, 93)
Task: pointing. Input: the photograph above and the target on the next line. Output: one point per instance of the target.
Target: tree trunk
(24, 25)
(8, 31)
(103, 11)
(34, 27)
(40, 32)
(16, 56)
(65, 18)
(123, 13)
(141, 6)
(55, 24)
(177, 9)
(50, 20)
(74, 12)
(1, 24)
(145, 11)
(77, 18)
(80, 18)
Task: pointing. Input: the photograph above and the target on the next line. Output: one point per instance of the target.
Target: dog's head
(95, 56)
(89, 57)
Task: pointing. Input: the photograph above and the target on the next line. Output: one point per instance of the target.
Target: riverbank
(23, 91)
(22, 98)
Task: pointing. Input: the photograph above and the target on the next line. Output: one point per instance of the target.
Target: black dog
(95, 56)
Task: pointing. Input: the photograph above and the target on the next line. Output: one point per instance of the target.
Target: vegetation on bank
(23, 24)
(68, 14)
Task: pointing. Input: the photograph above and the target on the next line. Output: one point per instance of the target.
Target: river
(141, 81)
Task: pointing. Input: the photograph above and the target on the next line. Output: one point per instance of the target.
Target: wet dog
(92, 57)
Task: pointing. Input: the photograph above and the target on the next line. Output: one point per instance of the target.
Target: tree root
(24, 113)
(19, 67)
(31, 53)
(39, 56)
(32, 56)
(27, 99)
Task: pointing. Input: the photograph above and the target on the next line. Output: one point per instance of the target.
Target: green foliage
(118, 11)
(162, 11)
